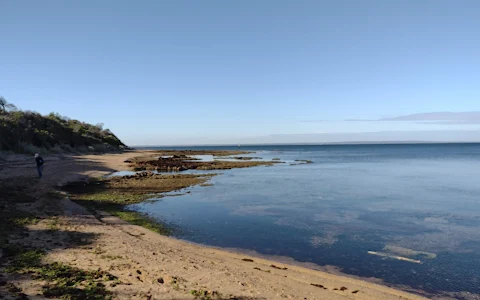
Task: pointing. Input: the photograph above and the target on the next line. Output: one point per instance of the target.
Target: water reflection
(406, 214)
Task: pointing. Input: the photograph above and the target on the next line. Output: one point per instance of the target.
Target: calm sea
(354, 207)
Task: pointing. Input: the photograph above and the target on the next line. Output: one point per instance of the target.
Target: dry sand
(151, 266)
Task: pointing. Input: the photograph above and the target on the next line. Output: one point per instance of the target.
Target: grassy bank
(30, 132)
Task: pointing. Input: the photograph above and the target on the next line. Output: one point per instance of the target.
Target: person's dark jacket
(39, 161)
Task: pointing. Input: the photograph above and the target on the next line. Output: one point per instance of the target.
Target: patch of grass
(143, 220)
(110, 196)
(93, 291)
(205, 295)
(70, 275)
(67, 282)
(14, 291)
(23, 219)
(53, 224)
(12, 217)
(22, 259)
(63, 281)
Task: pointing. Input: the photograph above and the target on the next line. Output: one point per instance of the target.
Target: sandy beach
(149, 265)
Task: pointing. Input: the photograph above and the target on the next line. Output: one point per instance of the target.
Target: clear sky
(197, 72)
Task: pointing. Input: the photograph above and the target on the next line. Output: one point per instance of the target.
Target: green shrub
(30, 132)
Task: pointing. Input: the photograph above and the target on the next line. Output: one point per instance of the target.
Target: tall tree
(5, 105)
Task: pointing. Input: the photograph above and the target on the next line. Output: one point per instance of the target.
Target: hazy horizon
(305, 144)
(345, 138)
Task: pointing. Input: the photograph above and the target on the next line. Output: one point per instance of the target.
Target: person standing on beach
(39, 161)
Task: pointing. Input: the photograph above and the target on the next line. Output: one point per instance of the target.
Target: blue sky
(196, 72)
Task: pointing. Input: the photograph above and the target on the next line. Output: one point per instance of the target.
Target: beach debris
(278, 268)
(355, 291)
(160, 280)
(394, 257)
(318, 285)
(343, 288)
(247, 259)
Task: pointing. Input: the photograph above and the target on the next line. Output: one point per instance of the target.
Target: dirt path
(150, 266)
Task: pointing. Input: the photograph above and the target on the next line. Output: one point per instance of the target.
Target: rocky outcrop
(180, 162)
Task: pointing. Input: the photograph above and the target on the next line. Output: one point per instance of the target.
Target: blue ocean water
(417, 201)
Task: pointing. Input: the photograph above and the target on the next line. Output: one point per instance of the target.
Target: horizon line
(314, 144)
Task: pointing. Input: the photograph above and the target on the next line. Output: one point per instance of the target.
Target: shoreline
(233, 275)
